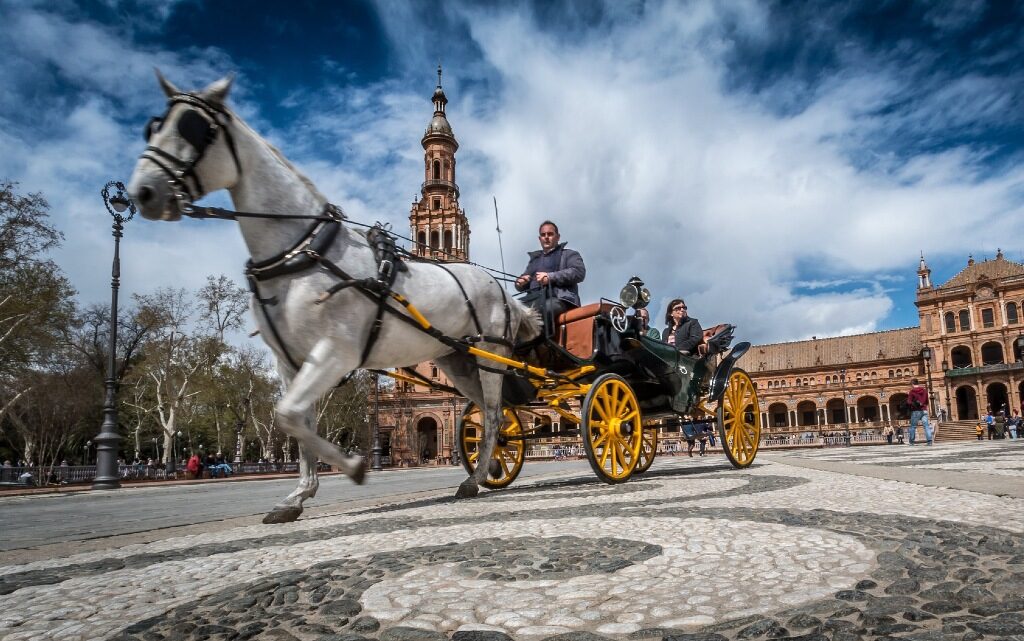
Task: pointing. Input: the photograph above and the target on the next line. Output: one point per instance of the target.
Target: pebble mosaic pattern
(682, 553)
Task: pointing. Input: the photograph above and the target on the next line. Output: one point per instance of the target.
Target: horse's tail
(526, 320)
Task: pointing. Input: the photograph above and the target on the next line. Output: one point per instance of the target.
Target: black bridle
(198, 126)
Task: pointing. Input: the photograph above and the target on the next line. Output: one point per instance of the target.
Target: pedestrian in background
(999, 426)
(990, 424)
(918, 402)
(889, 433)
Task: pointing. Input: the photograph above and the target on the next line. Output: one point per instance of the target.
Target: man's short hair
(548, 222)
(913, 381)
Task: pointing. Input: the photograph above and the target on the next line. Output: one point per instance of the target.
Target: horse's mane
(281, 157)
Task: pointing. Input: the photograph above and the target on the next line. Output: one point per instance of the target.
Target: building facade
(966, 349)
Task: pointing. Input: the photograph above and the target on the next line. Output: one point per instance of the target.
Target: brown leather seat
(702, 349)
(576, 329)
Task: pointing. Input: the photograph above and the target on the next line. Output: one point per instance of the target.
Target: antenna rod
(497, 226)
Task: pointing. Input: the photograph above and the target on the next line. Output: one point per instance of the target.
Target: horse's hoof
(358, 475)
(282, 515)
(494, 469)
(467, 490)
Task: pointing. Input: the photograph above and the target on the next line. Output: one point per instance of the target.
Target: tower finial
(438, 73)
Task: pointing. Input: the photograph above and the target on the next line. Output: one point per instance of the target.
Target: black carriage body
(666, 382)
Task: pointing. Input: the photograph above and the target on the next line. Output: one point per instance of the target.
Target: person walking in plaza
(681, 330)
(1014, 425)
(918, 402)
(999, 426)
(980, 431)
(889, 433)
(194, 466)
(990, 424)
(556, 266)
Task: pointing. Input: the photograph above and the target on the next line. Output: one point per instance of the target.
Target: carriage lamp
(634, 294)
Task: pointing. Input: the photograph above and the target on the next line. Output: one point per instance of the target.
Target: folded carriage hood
(724, 369)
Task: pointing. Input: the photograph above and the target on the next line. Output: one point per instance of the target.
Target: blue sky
(781, 165)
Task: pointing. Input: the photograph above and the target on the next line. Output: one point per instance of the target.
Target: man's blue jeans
(922, 417)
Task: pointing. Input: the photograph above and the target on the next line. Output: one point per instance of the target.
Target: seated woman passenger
(681, 330)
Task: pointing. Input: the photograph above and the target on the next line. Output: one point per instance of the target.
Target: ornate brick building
(967, 348)
(417, 425)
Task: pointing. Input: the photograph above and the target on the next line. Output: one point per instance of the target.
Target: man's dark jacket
(688, 336)
(566, 279)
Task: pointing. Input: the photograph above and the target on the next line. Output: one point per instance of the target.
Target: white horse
(200, 146)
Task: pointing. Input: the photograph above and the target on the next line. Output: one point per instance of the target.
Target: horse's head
(190, 152)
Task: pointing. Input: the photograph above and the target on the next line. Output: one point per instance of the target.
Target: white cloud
(624, 133)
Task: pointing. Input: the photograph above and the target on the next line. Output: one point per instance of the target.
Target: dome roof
(439, 95)
(439, 125)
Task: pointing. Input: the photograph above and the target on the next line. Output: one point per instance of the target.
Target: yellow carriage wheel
(611, 428)
(648, 449)
(509, 451)
(738, 426)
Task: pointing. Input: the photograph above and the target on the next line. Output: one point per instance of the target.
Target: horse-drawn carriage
(324, 293)
(628, 386)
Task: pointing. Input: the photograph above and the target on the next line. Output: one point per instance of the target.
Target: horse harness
(199, 127)
(308, 253)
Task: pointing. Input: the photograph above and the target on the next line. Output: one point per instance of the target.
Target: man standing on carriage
(555, 265)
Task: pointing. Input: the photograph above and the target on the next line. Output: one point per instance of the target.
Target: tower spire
(924, 274)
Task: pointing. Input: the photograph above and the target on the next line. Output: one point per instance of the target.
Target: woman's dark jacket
(688, 336)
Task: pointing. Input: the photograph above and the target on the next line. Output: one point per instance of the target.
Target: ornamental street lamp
(456, 447)
(926, 354)
(375, 450)
(88, 444)
(108, 440)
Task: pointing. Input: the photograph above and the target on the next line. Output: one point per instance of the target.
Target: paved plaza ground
(883, 542)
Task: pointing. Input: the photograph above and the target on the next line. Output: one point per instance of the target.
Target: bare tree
(223, 304)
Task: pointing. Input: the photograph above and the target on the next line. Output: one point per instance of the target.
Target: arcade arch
(966, 403)
(961, 356)
(997, 398)
(991, 353)
(806, 413)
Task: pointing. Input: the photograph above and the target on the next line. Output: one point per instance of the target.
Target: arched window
(437, 203)
(961, 356)
(891, 374)
(433, 372)
(859, 376)
(874, 376)
(899, 373)
(965, 320)
(950, 322)
(988, 317)
(448, 239)
(435, 240)
(421, 239)
(907, 372)
(437, 170)
(1011, 313)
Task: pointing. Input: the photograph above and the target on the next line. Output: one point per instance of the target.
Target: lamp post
(375, 450)
(926, 354)
(88, 444)
(945, 383)
(239, 426)
(456, 448)
(846, 409)
(108, 440)
(173, 462)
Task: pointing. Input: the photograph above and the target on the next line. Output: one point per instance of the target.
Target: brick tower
(436, 221)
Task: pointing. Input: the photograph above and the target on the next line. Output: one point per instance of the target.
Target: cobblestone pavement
(692, 550)
(1003, 457)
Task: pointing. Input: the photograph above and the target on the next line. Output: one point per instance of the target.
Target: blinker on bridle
(199, 130)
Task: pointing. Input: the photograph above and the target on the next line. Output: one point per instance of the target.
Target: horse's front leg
(295, 414)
